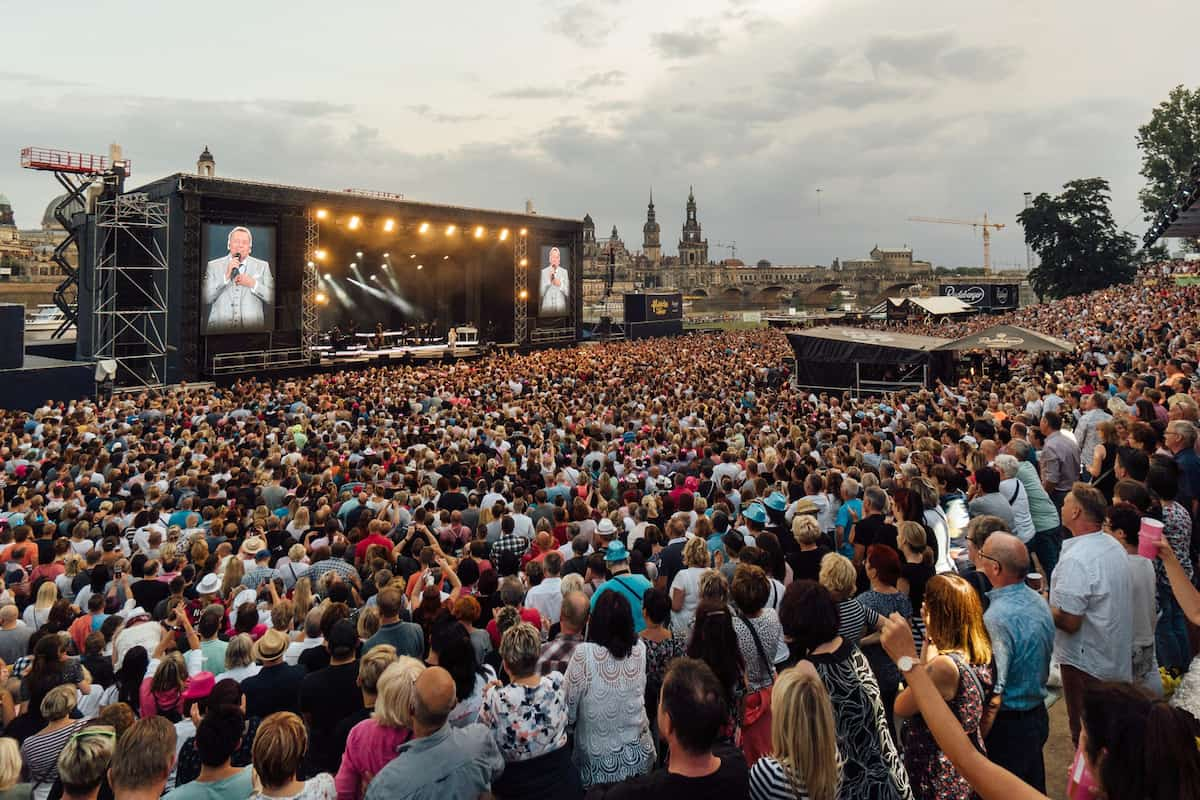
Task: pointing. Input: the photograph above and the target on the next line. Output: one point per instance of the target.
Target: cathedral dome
(49, 222)
(6, 211)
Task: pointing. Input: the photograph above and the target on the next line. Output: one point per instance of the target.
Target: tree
(1077, 240)
(1170, 145)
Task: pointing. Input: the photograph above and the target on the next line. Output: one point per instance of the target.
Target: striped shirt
(853, 617)
(40, 754)
(768, 781)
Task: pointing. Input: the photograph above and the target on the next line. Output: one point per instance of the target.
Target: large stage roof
(348, 200)
(864, 336)
(1180, 217)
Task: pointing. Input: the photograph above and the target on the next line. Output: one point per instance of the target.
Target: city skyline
(583, 106)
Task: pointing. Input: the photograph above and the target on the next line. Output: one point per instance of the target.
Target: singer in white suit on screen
(555, 289)
(238, 288)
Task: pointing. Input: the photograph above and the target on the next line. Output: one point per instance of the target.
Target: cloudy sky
(891, 109)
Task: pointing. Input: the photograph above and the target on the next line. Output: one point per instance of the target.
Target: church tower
(651, 245)
(693, 247)
(206, 167)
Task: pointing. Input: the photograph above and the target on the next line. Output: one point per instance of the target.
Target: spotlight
(383, 265)
(478, 231)
(328, 277)
(445, 258)
(412, 255)
(355, 221)
(322, 213)
(374, 278)
(524, 262)
(353, 265)
(320, 255)
(524, 231)
(424, 228)
(387, 255)
(523, 294)
(450, 229)
(321, 297)
(504, 235)
(359, 254)
(311, 264)
(420, 266)
(389, 225)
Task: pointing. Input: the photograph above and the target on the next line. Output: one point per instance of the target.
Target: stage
(252, 277)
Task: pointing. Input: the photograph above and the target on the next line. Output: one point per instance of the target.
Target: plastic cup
(1034, 581)
(1149, 536)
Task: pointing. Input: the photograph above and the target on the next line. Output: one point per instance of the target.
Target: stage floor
(408, 353)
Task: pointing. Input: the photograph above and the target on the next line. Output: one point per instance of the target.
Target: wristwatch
(906, 663)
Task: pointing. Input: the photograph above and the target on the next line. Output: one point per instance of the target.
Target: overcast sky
(936, 108)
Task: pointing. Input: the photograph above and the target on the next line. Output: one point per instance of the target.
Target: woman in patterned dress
(958, 657)
(528, 720)
(871, 767)
(606, 684)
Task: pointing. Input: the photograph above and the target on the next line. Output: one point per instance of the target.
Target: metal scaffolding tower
(521, 288)
(308, 287)
(129, 290)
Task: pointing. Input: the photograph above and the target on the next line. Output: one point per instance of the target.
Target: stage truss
(129, 289)
(521, 288)
(309, 329)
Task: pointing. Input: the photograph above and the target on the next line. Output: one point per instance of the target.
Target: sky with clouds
(936, 108)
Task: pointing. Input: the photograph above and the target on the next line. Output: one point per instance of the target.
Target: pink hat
(199, 686)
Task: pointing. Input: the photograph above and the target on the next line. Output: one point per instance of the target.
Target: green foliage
(1077, 241)
(1170, 145)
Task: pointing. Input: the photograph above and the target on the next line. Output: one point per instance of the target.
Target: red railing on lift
(46, 158)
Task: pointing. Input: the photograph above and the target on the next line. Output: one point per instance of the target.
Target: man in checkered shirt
(509, 542)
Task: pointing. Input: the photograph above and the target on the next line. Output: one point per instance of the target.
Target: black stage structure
(868, 362)
(351, 259)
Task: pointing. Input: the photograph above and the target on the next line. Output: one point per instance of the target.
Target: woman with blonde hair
(840, 578)
(231, 584)
(10, 771)
(368, 622)
(36, 615)
(302, 597)
(239, 658)
(278, 753)
(71, 566)
(372, 743)
(805, 762)
(299, 523)
(958, 656)
(685, 589)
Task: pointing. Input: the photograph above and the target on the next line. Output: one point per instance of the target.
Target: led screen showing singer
(554, 287)
(239, 289)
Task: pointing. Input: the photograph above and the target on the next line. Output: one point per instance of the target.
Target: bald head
(8, 615)
(433, 699)
(1011, 558)
(574, 614)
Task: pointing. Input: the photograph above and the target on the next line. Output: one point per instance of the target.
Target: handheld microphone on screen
(237, 270)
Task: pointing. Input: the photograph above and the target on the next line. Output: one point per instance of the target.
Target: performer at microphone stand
(238, 288)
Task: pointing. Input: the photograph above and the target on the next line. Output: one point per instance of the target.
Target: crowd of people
(639, 569)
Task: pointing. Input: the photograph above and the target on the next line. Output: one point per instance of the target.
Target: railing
(256, 360)
(63, 161)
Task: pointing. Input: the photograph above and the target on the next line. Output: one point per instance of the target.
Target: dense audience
(640, 569)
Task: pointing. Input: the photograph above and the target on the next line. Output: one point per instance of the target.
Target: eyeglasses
(989, 558)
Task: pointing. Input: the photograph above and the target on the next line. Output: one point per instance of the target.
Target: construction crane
(731, 246)
(987, 233)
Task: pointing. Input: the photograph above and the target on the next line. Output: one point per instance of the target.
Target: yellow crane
(987, 233)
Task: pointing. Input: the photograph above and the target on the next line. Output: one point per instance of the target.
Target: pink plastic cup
(1149, 536)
